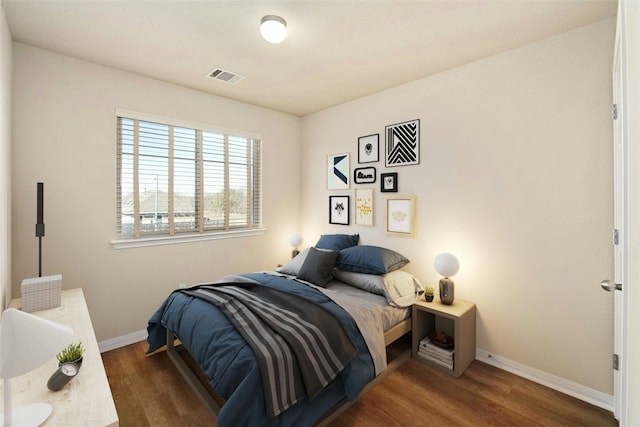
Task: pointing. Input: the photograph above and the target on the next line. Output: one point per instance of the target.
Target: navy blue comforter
(233, 369)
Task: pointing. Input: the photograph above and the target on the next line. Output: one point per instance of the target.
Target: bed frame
(213, 402)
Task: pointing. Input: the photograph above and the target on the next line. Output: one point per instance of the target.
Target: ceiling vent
(224, 76)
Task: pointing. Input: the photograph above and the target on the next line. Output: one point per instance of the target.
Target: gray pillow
(293, 267)
(317, 268)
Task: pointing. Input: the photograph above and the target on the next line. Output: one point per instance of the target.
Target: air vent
(224, 76)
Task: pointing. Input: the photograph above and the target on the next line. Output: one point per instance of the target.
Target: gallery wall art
(338, 172)
(339, 210)
(402, 144)
(364, 206)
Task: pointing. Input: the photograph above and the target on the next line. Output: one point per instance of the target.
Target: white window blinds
(174, 179)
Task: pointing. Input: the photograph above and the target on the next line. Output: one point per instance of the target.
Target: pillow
(317, 268)
(336, 242)
(401, 288)
(370, 260)
(367, 282)
(293, 267)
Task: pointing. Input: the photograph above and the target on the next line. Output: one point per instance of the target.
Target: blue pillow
(336, 242)
(370, 260)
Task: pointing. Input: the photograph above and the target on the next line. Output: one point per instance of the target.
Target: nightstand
(457, 320)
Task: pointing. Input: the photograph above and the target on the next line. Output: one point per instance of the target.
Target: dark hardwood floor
(148, 391)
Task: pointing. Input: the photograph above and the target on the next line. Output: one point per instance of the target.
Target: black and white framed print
(364, 175)
(402, 144)
(368, 148)
(338, 172)
(389, 182)
(339, 210)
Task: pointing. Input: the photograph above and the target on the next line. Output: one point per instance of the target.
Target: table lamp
(295, 240)
(27, 342)
(446, 265)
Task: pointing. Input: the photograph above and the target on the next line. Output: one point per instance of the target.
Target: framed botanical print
(339, 210)
(338, 172)
(368, 148)
(402, 144)
(364, 206)
(389, 182)
(400, 216)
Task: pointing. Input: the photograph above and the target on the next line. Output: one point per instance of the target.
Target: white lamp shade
(273, 28)
(295, 240)
(446, 264)
(28, 341)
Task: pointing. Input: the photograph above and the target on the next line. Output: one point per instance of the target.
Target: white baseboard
(562, 385)
(122, 341)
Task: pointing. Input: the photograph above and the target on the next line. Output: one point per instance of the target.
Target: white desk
(86, 400)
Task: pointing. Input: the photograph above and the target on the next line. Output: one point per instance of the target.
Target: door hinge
(616, 362)
(614, 111)
(616, 239)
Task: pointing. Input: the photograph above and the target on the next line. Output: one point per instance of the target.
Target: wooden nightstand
(457, 320)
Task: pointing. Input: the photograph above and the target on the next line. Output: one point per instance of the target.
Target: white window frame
(131, 241)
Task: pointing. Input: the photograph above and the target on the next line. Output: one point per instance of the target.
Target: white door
(618, 286)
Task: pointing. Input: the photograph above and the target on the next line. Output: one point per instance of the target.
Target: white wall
(65, 136)
(515, 178)
(5, 160)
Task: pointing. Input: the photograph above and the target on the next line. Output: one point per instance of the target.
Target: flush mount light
(273, 28)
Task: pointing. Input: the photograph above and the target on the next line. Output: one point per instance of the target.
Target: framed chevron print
(338, 172)
(402, 144)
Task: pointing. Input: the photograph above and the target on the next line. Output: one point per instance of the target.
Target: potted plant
(428, 293)
(71, 353)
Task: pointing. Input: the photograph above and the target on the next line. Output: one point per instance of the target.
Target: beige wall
(5, 160)
(515, 178)
(65, 135)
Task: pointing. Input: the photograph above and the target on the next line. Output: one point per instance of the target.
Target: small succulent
(428, 290)
(71, 353)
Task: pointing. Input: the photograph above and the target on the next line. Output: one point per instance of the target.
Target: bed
(363, 307)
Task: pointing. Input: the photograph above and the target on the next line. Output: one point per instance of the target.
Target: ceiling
(336, 51)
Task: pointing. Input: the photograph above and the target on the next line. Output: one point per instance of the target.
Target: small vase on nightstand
(428, 293)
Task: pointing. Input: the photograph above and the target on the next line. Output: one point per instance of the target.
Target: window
(175, 178)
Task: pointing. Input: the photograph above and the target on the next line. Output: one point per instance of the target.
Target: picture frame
(402, 144)
(364, 207)
(364, 175)
(400, 216)
(369, 148)
(339, 210)
(338, 171)
(389, 182)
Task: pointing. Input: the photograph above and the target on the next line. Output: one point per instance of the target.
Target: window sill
(142, 242)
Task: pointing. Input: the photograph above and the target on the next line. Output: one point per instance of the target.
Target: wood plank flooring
(148, 391)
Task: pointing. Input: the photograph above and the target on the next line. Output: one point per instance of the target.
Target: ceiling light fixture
(273, 28)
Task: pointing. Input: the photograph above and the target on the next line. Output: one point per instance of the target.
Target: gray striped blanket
(300, 346)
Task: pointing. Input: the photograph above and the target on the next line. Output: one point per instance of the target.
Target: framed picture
(338, 172)
(364, 206)
(368, 148)
(400, 215)
(339, 210)
(364, 175)
(402, 144)
(389, 182)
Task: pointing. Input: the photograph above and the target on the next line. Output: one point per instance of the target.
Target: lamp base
(446, 291)
(29, 415)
